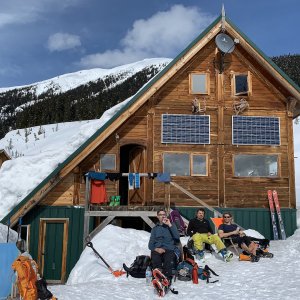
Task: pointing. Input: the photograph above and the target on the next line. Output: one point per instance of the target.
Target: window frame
(207, 83)
(191, 160)
(115, 164)
(258, 177)
(233, 84)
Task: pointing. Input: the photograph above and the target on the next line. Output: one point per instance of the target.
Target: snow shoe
(160, 289)
(157, 274)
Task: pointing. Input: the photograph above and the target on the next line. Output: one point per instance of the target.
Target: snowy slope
(66, 82)
(276, 278)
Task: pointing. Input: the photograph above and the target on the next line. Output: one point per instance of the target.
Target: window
(199, 165)
(199, 83)
(185, 129)
(241, 84)
(177, 163)
(107, 162)
(185, 164)
(254, 165)
(255, 130)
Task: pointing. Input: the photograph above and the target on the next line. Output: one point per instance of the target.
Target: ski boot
(264, 253)
(227, 255)
(254, 258)
(199, 255)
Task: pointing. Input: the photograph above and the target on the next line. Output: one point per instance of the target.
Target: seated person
(201, 232)
(228, 229)
(162, 244)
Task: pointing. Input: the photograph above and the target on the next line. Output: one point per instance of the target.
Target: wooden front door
(52, 253)
(137, 165)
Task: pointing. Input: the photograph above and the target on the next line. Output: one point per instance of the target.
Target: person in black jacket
(201, 232)
(162, 244)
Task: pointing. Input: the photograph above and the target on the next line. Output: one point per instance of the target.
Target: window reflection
(256, 165)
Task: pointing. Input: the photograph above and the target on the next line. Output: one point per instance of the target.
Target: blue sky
(41, 39)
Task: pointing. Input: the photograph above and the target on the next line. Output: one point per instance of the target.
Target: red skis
(281, 225)
(273, 218)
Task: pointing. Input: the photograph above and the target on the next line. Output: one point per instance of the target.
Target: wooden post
(86, 226)
(221, 164)
(167, 197)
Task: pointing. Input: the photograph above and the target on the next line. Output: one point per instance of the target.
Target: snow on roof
(38, 151)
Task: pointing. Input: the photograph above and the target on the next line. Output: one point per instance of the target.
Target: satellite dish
(225, 43)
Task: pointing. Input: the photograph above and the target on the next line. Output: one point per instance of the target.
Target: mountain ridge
(86, 94)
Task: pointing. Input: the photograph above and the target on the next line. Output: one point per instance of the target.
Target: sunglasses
(226, 217)
(162, 215)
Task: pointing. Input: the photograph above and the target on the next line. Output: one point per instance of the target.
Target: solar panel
(185, 129)
(255, 130)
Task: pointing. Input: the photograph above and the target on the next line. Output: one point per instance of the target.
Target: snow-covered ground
(277, 278)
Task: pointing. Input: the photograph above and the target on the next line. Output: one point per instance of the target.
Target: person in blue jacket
(162, 243)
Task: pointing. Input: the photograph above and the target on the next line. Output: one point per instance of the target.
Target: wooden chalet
(221, 122)
(4, 156)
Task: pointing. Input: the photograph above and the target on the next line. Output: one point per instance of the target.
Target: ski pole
(19, 228)
(8, 225)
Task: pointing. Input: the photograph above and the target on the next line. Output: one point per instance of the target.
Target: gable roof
(141, 97)
(5, 153)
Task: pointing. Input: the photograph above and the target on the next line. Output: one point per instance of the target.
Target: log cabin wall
(220, 187)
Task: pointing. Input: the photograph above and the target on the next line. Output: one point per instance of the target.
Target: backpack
(205, 274)
(178, 221)
(23, 265)
(42, 291)
(187, 270)
(138, 267)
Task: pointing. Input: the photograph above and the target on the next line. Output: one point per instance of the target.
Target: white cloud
(63, 41)
(164, 34)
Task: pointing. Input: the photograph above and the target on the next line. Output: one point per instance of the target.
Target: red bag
(195, 270)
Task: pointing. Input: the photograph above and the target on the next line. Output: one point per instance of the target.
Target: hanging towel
(163, 177)
(96, 175)
(98, 192)
(137, 180)
(131, 181)
(114, 176)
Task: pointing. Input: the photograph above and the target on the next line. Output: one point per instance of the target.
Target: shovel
(116, 273)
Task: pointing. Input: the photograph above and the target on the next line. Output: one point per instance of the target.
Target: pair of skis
(273, 200)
